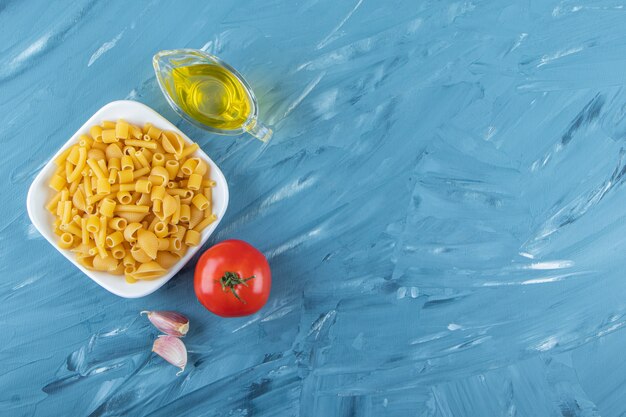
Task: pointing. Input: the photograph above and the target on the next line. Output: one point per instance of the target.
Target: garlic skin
(173, 350)
(169, 322)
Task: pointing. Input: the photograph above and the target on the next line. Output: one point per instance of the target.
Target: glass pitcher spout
(260, 131)
(208, 93)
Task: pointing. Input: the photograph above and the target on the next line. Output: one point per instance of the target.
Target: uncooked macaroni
(130, 200)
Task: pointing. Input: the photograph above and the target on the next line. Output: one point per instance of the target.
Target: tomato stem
(229, 282)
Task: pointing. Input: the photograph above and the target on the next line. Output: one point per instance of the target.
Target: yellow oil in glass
(211, 95)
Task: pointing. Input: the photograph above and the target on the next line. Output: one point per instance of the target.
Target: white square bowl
(40, 193)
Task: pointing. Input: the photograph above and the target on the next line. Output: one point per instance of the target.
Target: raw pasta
(130, 200)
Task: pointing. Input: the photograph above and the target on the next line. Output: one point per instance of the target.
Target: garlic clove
(173, 350)
(169, 322)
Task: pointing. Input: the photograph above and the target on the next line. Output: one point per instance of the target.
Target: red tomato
(232, 279)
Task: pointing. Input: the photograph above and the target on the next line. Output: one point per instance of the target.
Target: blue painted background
(443, 207)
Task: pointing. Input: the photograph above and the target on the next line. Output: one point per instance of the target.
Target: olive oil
(210, 94)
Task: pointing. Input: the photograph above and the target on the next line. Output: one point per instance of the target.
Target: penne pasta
(135, 132)
(143, 186)
(189, 166)
(127, 163)
(158, 160)
(52, 204)
(121, 129)
(93, 164)
(60, 160)
(108, 136)
(140, 172)
(159, 175)
(185, 213)
(131, 208)
(194, 182)
(141, 143)
(195, 217)
(71, 228)
(114, 239)
(192, 238)
(188, 151)
(96, 133)
(205, 222)
(84, 233)
(200, 201)
(117, 223)
(107, 207)
(66, 240)
(142, 158)
(118, 252)
(153, 132)
(124, 197)
(172, 168)
(57, 182)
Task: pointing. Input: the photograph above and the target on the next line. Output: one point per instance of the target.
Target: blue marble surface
(442, 206)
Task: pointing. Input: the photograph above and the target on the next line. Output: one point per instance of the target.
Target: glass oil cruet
(208, 93)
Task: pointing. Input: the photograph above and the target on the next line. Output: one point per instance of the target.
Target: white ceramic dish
(39, 194)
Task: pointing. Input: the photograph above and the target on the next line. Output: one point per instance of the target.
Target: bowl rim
(155, 118)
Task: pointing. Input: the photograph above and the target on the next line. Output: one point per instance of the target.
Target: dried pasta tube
(142, 143)
(160, 229)
(172, 168)
(192, 238)
(189, 166)
(107, 207)
(194, 182)
(140, 172)
(118, 252)
(108, 136)
(185, 213)
(188, 151)
(103, 186)
(158, 160)
(114, 239)
(143, 186)
(127, 163)
(96, 133)
(200, 201)
(66, 241)
(153, 132)
(114, 168)
(121, 129)
(204, 223)
(124, 197)
(57, 182)
(131, 208)
(93, 164)
(135, 132)
(118, 223)
(141, 157)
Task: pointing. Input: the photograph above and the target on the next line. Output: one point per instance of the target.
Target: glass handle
(260, 131)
